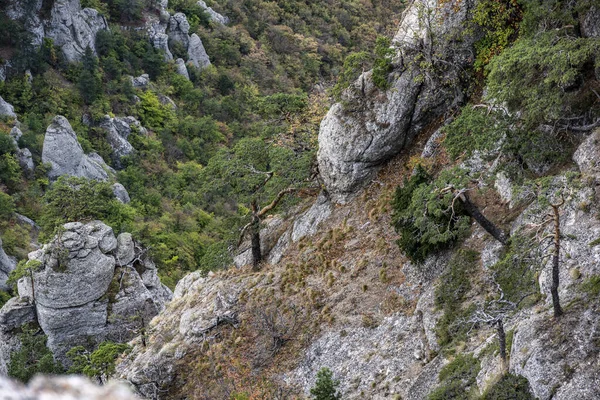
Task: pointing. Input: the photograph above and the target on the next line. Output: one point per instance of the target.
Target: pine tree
(325, 387)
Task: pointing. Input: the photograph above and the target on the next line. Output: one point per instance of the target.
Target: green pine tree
(325, 387)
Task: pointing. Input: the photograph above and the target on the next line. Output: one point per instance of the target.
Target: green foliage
(98, 364)
(4, 297)
(543, 77)
(591, 286)
(72, 199)
(152, 113)
(499, 20)
(7, 206)
(354, 65)
(33, 357)
(516, 271)
(325, 386)
(457, 379)
(382, 66)
(451, 293)
(90, 82)
(426, 219)
(509, 387)
(24, 268)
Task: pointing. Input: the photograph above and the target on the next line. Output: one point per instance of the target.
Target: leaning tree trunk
(555, 264)
(255, 237)
(485, 223)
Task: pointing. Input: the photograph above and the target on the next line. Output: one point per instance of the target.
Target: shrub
(426, 219)
(450, 295)
(33, 357)
(325, 386)
(457, 379)
(382, 66)
(509, 387)
(98, 364)
(78, 199)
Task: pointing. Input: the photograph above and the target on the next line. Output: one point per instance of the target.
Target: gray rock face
(121, 193)
(587, 156)
(215, 16)
(74, 29)
(62, 388)
(63, 151)
(269, 235)
(7, 265)
(181, 68)
(15, 313)
(375, 125)
(308, 223)
(196, 52)
(179, 29)
(590, 23)
(141, 82)
(117, 131)
(6, 109)
(72, 294)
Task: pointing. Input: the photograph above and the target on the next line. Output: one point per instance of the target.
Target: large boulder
(6, 109)
(196, 52)
(587, 155)
(88, 286)
(74, 29)
(64, 153)
(215, 16)
(117, 132)
(371, 125)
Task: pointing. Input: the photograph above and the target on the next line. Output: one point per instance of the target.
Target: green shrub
(591, 286)
(325, 386)
(33, 357)
(73, 199)
(424, 217)
(457, 379)
(509, 387)
(451, 293)
(382, 66)
(98, 364)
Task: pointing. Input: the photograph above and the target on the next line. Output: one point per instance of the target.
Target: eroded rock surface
(88, 286)
(6, 109)
(65, 154)
(372, 125)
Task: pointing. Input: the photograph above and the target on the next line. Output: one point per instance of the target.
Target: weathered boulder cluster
(86, 285)
(70, 26)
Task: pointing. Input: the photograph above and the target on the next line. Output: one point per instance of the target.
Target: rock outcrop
(64, 153)
(117, 132)
(6, 109)
(371, 125)
(181, 68)
(68, 25)
(7, 265)
(63, 388)
(73, 28)
(88, 286)
(215, 16)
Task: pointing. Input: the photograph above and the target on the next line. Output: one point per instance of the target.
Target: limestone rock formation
(215, 16)
(179, 31)
(374, 125)
(63, 388)
(7, 264)
(74, 29)
(181, 68)
(117, 132)
(587, 156)
(89, 286)
(140, 82)
(6, 109)
(63, 151)
(196, 52)
(121, 193)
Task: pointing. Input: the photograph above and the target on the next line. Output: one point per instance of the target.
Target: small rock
(181, 68)
(125, 249)
(141, 82)
(6, 109)
(121, 193)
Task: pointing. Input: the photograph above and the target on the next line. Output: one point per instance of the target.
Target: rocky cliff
(84, 287)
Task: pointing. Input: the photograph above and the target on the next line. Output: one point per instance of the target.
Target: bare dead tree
(494, 312)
